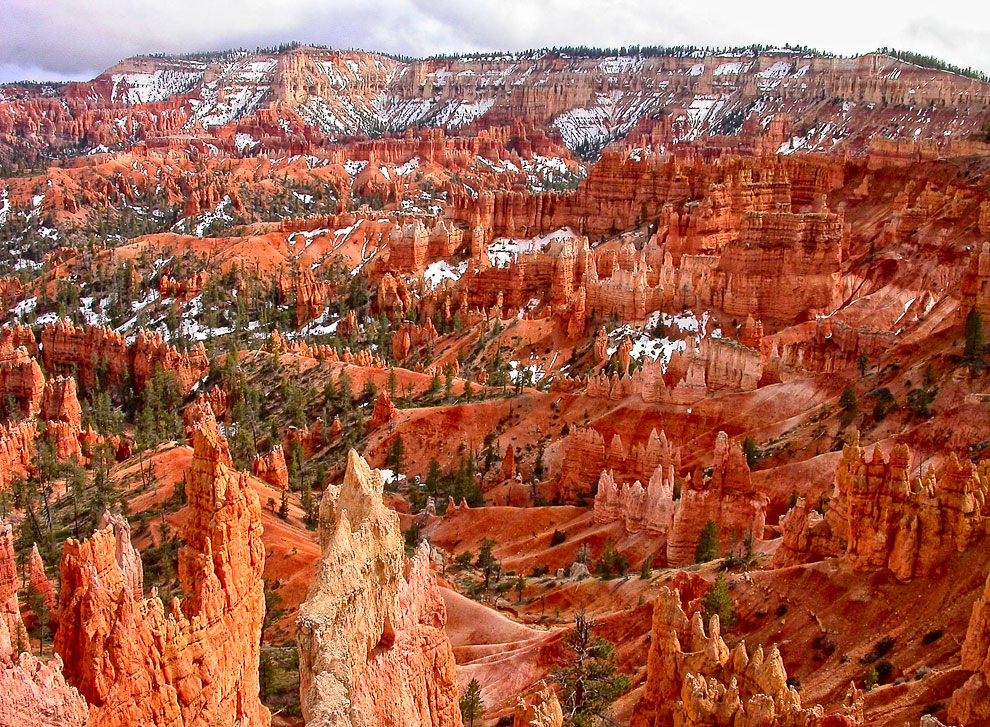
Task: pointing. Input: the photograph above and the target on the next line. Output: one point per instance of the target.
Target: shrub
(558, 537)
(932, 636)
(880, 650)
(884, 671)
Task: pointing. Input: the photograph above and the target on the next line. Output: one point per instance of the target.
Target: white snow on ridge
(504, 251)
(244, 141)
(441, 270)
(621, 64)
(140, 88)
(461, 114)
(731, 69)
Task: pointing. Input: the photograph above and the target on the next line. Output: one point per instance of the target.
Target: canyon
(342, 389)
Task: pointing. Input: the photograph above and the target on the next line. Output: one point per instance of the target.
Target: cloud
(58, 39)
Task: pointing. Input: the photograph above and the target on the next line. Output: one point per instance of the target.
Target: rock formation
(538, 707)
(198, 664)
(882, 518)
(271, 468)
(693, 680)
(59, 402)
(383, 413)
(971, 703)
(21, 378)
(67, 348)
(33, 692)
(727, 497)
(372, 645)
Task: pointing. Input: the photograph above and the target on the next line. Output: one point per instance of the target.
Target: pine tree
(974, 335)
(718, 602)
(589, 679)
(647, 569)
(751, 452)
(434, 385)
(708, 543)
(395, 458)
(471, 704)
(487, 561)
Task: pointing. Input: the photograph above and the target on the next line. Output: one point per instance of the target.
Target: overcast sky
(78, 39)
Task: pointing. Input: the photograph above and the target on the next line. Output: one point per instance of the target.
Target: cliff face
(372, 645)
(322, 94)
(909, 527)
(727, 497)
(198, 664)
(67, 348)
(693, 679)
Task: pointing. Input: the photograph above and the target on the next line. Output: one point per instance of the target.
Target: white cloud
(68, 38)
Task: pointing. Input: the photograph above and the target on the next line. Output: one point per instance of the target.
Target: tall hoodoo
(33, 692)
(199, 663)
(971, 703)
(372, 646)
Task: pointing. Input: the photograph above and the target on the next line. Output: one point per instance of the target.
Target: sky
(78, 39)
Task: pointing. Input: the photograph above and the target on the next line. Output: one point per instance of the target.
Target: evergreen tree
(718, 601)
(974, 335)
(589, 679)
(434, 385)
(708, 543)
(646, 571)
(395, 458)
(751, 452)
(487, 561)
(471, 704)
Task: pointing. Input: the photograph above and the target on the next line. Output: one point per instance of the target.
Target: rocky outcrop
(21, 379)
(271, 468)
(372, 646)
(410, 337)
(39, 580)
(585, 457)
(975, 285)
(33, 692)
(693, 680)
(16, 449)
(383, 413)
(59, 402)
(10, 610)
(538, 707)
(881, 517)
(971, 703)
(727, 497)
(197, 664)
(88, 351)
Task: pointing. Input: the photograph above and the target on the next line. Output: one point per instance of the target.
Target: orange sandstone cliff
(198, 663)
